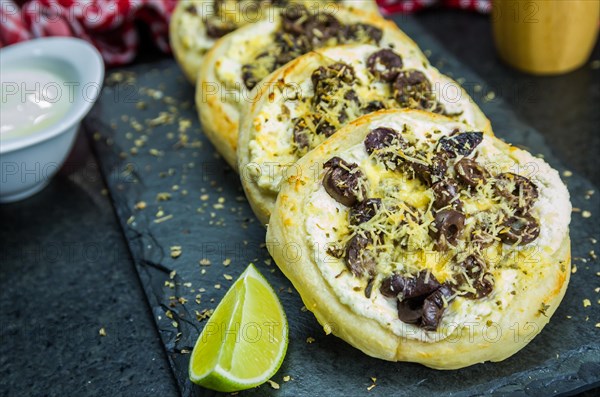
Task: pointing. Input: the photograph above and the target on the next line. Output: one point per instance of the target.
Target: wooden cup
(545, 36)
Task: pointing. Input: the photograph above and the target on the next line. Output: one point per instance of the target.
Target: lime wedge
(244, 342)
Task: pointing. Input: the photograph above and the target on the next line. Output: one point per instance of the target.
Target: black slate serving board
(170, 189)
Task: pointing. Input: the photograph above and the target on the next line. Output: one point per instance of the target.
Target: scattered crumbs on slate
(273, 384)
(587, 303)
(373, 384)
(176, 251)
(287, 378)
(586, 214)
(310, 340)
(204, 262)
(490, 96)
(102, 332)
(163, 219)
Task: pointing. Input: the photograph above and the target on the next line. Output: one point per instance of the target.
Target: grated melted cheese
(511, 266)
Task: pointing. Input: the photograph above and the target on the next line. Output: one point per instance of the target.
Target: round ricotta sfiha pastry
(241, 60)
(196, 25)
(306, 101)
(414, 238)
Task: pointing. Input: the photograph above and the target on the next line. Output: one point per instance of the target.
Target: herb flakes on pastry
(306, 101)
(197, 24)
(414, 238)
(241, 60)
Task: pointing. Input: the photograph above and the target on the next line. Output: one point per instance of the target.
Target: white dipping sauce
(32, 100)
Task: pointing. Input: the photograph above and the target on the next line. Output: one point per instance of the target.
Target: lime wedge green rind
(244, 342)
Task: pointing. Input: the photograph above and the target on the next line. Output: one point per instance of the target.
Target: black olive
(335, 250)
(521, 228)
(421, 299)
(324, 127)
(438, 168)
(484, 285)
(447, 227)
(423, 284)
(476, 270)
(520, 191)
(445, 192)
(369, 288)
(287, 48)
(411, 87)
(216, 29)
(344, 181)
(410, 311)
(300, 134)
(360, 260)
(292, 18)
(338, 71)
(362, 212)
(327, 80)
(381, 138)
(250, 80)
(406, 288)
(461, 144)
(385, 143)
(434, 307)
(191, 9)
(343, 115)
(385, 64)
(351, 96)
(321, 27)
(360, 32)
(470, 172)
(373, 106)
(429, 173)
(392, 285)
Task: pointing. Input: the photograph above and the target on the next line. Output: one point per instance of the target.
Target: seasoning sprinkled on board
(273, 384)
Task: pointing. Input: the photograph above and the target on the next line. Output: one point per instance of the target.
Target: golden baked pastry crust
(538, 291)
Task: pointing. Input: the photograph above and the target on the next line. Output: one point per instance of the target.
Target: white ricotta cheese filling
(272, 145)
(327, 220)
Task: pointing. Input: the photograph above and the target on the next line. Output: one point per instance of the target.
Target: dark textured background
(66, 271)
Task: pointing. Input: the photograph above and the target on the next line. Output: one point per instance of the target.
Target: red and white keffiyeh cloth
(110, 25)
(408, 6)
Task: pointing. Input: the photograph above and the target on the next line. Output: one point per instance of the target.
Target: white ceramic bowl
(28, 162)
